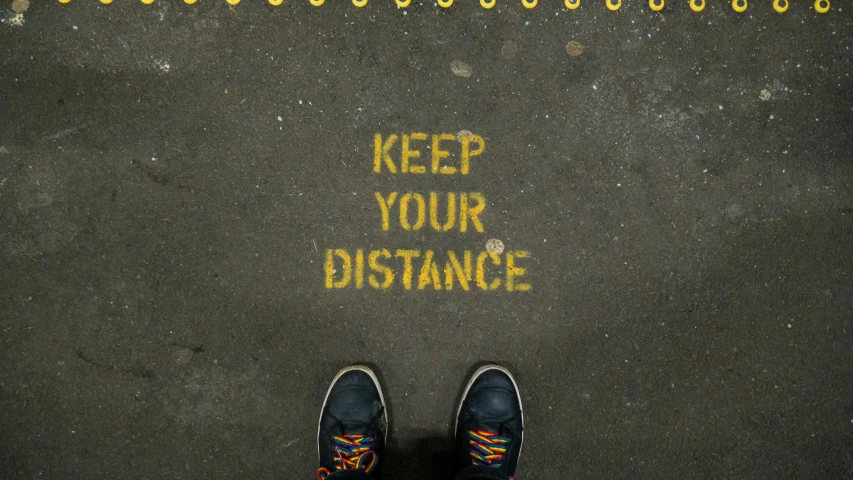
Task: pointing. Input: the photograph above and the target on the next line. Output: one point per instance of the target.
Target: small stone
(509, 50)
(735, 211)
(20, 6)
(764, 95)
(14, 20)
(3, 151)
(463, 134)
(495, 246)
(574, 48)
(461, 69)
(183, 355)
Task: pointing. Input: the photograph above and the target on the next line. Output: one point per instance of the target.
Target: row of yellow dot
(781, 6)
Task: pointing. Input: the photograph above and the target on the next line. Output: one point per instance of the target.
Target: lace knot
(351, 452)
(487, 448)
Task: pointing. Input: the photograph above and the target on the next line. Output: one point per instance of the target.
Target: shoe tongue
(352, 428)
(354, 422)
(492, 426)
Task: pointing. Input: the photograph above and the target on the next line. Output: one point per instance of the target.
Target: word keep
(404, 151)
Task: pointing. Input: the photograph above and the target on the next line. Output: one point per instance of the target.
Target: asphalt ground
(192, 244)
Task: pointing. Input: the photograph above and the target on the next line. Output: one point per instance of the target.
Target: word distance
(423, 270)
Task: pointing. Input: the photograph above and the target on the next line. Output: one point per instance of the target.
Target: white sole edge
(369, 372)
(480, 371)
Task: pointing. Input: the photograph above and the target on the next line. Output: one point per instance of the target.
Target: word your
(421, 270)
(409, 155)
(412, 208)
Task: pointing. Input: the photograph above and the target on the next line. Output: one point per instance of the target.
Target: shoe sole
(372, 376)
(480, 371)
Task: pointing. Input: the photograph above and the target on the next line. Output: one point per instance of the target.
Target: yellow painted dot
(739, 6)
(571, 5)
(232, 2)
(147, 2)
(359, 3)
(487, 4)
(189, 2)
(445, 3)
(780, 6)
(275, 3)
(656, 5)
(403, 3)
(821, 6)
(697, 5)
(317, 3)
(64, 1)
(613, 5)
(529, 3)
(106, 2)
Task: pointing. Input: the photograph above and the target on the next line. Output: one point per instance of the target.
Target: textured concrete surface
(171, 177)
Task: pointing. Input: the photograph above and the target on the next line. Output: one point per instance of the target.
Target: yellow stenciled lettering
(481, 271)
(346, 268)
(438, 154)
(407, 256)
(467, 153)
(373, 261)
(433, 212)
(513, 272)
(404, 211)
(463, 274)
(385, 208)
(359, 268)
(381, 154)
(467, 212)
(429, 273)
(408, 154)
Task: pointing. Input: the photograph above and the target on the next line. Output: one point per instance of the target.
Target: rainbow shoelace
(352, 452)
(486, 448)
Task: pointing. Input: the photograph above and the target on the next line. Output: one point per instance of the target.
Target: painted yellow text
(422, 270)
(401, 153)
(413, 210)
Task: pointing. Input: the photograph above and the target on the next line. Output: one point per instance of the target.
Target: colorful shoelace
(352, 452)
(487, 448)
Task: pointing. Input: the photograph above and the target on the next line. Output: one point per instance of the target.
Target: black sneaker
(489, 423)
(353, 423)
